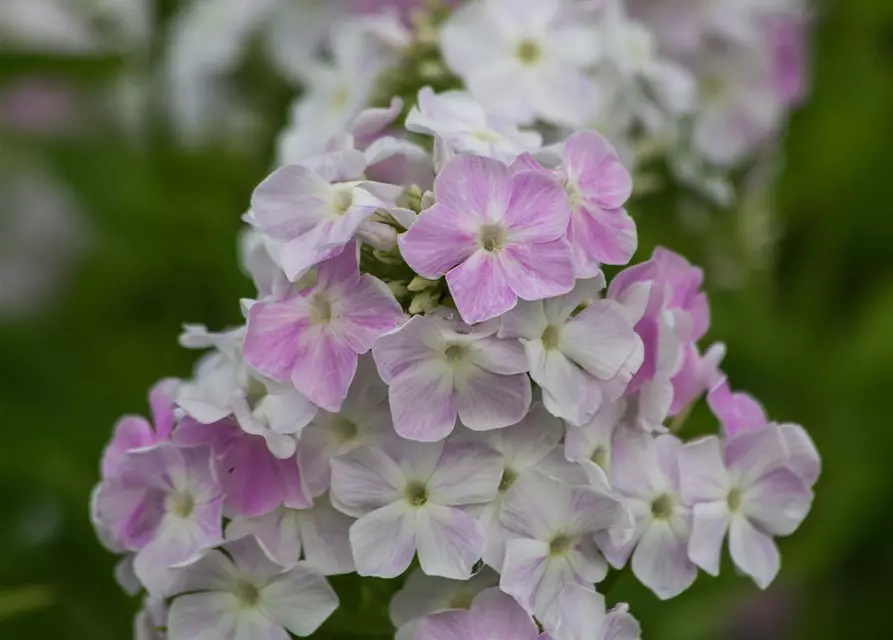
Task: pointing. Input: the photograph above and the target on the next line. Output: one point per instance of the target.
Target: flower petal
(383, 541)
(299, 599)
(479, 288)
(480, 188)
(710, 522)
(538, 271)
(538, 211)
(439, 239)
(274, 330)
(489, 401)
(600, 340)
(777, 503)
(467, 473)
(450, 541)
(753, 552)
(364, 480)
(423, 402)
(326, 365)
(661, 561)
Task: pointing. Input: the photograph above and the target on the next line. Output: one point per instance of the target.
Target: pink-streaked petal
(417, 341)
(600, 340)
(271, 341)
(299, 599)
(538, 271)
(778, 502)
(290, 202)
(504, 356)
(162, 398)
(735, 411)
(479, 188)
(703, 477)
(479, 288)
(364, 480)
(450, 541)
(467, 473)
(423, 402)
(439, 239)
(447, 625)
(710, 522)
(383, 541)
(753, 454)
(661, 561)
(488, 401)
(753, 552)
(277, 534)
(600, 237)
(538, 211)
(131, 432)
(526, 562)
(325, 367)
(370, 310)
(317, 245)
(497, 615)
(590, 160)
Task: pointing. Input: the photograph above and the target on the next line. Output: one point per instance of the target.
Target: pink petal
(753, 552)
(131, 432)
(804, 460)
(423, 402)
(439, 239)
(450, 541)
(479, 288)
(325, 366)
(488, 401)
(597, 236)
(256, 482)
(290, 202)
(499, 356)
(600, 340)
(661, 561)
(753, 454)
(383, 541)
(467, 473)
(271, 340)
(591, 161)
(538, 211)
(777, 503)
(162, 403)
(417, 341)
(370, 310)
(447, 625)
(364, 480)
(538, 271)
(475, 188)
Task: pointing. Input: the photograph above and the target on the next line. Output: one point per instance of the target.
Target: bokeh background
(152, 244)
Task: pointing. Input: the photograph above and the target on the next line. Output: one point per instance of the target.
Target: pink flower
(598, 185)
(254, 480)
(315, 338)
(439, 369)
(134, 432)
(587, 618)
(493, 614)
(496, 237)
(410, 496)
(241, 595)
(744, 487)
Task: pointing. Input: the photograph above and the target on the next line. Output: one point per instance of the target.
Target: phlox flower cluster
(442, 383)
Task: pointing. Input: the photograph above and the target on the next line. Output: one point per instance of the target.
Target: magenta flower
(241, 595)
(438, 369)
(597, 185)
(746, 488)
(496, 236)
(411, 496)
(135, 432)
(315, 338)
(493, 614)
(255, 480)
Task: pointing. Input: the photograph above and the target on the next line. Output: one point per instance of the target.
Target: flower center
(246, 593)
(320, 309)
(600, 457)
(462, 600)
(734, 500)
(455, 352)
(529, 52)
(342, 200)
(416, 494)
(662, 507)
(486, 135)
(560, 545)
(181, 504)
(508, 479)
(492, 238)
(344, 429)
(339, 97)
(550, 337)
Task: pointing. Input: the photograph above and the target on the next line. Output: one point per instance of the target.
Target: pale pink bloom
(315, 337)
(744, 487)
(412, 497)
(529, 446)
(550, 527)
(592, 443)
(587, 619)
(315, 209)
(165, 503)
(493, 614)
(423, 595)
(135, 432)
(439, 369)
(529, 59)
(364, 419)
(241, 595)
(496, 236)
(646, 473)
(699, 372)
(788, 32)
(463, 124)
(254, 480)
(279, 417)
(597, 185)
(317, 535)
(580, 349)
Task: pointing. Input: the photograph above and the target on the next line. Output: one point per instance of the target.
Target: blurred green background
(809, 331)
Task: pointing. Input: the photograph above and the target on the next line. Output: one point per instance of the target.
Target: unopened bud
(420, 284)
(422, 303)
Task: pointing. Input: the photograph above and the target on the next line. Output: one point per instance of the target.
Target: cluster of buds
(436, 379)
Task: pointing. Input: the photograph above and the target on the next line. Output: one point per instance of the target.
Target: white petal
(383, 541)
(450, 541)
(299, 599)
(753, 552)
